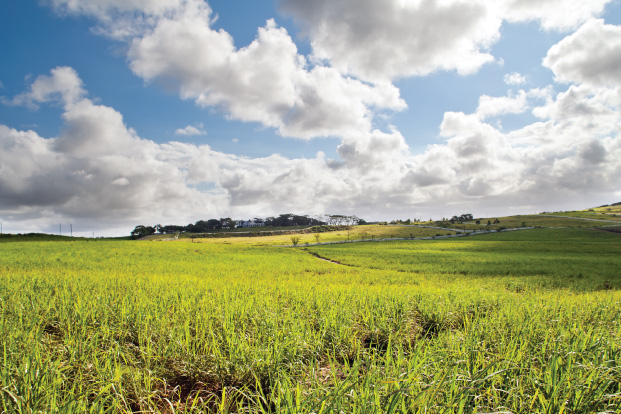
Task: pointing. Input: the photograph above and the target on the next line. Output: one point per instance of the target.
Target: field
(270, 235)
(521, 322)
(612, 213)
(355, 233)
(558, 219)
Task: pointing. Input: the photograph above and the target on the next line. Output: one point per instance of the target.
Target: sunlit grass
(516, 322)
(612, 213)
(536, 220)
(355, 233)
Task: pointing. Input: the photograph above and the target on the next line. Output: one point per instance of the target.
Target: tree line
(283, 220)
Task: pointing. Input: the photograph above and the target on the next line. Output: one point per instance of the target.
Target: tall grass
(453, 326)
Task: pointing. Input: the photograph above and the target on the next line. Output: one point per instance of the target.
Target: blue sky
(381, 109)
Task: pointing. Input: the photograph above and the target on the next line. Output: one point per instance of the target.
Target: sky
(115, 113)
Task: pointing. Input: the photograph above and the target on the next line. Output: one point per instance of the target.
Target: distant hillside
(35, 237)
(25, 237)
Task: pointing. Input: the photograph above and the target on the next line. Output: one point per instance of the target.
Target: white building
(251, 223)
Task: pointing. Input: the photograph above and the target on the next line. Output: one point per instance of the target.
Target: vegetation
(516, 322)
(559, 219)
(6, 238)
(611, 212)
(142, 231)
(328, 234)
(228, 224)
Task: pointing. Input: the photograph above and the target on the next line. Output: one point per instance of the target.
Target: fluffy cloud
(63, 86)
(103, 9)
(512, 104)
(96, 169)
(514, 78)
(191, 130)
(553, 14)
(119, 19)
(591, 55)
(423, 35)
(266, 82)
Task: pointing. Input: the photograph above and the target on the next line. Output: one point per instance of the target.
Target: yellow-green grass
(225, 233)
(535, 220)
(609, 210)
(363, 232)
(580, 259)
(30, 237)
(508, 322)
(611, 213)
(384, 231)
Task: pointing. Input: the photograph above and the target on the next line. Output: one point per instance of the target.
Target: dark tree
(227, 223)
(142, 231)
(213, 224)
(285, 220)
(200, 226)
(172, 229)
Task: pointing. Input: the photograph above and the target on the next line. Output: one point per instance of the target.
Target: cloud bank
(100, 170)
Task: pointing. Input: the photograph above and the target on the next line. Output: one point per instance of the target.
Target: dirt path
(328, 260)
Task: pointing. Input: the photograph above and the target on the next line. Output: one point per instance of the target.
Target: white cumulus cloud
(514, 78)
(63, 86)
(191, 130)
(266, 81)
(512, 104)
(590, 55)
(553, 14)
(381, 41)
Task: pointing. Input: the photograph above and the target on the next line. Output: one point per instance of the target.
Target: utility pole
(71, 229)
(60, 229)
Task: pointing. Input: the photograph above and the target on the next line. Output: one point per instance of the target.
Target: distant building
(251, 223)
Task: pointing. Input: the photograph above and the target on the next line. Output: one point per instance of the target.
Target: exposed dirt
(328, 260)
